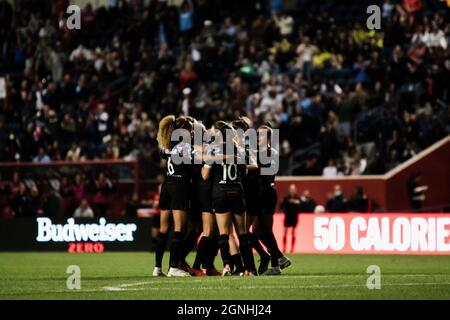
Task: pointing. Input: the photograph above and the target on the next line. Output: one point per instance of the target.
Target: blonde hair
(166, 127)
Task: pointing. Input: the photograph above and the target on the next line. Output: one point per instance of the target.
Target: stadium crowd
(347, 100)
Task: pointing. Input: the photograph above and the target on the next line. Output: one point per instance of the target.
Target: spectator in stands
(67, 194)
(5, 194)
(21, 202)
(305, 51)
(74, 153)
(303, 71)
(330, 170)
(15, 183)
(79, 188)
(84, 210)
(132, 205)
(102, 188)
(42, 156)
(310, 167)
(358, 202)
(53, 204)
(307, 204)
(36, 201)
(291, 208)
(336, 201)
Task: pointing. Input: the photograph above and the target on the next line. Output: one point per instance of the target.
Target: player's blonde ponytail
(166, 127)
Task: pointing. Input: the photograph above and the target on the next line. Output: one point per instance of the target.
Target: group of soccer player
(216, 197)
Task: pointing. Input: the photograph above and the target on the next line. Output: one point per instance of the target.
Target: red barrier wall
(320, 187)
(389, 191)
(434, 166)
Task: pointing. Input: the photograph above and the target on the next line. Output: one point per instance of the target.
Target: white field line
(169, 285)
(129, 286)
(318, 286)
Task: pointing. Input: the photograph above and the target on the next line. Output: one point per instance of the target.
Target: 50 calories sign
(374, 233)
(382, 234)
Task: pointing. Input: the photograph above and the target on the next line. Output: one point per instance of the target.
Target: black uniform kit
(176, 189)
(227, 190)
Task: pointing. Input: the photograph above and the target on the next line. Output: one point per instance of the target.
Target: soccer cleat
(213, 272)
(284, 262)
(264, 264)
(248, 273)
(183, 265)
(175, 272)
(157, 272)
(274, 271)
(238, 272)
(226, 272)
(196, 272)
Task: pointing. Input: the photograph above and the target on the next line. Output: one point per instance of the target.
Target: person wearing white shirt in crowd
(330, 170)
(285, 24)
(437, 37)
(84, 210)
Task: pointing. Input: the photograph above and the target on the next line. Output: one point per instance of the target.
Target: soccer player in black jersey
(269, 197)
(202, 205)
(252, 192)
(175, 191)
(229, 203)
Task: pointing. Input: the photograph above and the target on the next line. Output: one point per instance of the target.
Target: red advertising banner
(407, 233)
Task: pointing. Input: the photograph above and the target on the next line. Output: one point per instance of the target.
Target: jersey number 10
(229, 172)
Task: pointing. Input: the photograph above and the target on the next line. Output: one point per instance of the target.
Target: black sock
(271, 243)
(246, 250)
(257, 245)
(161, 242)
(176, 249)
(189, 243)
(213, 248)
(202, 252)
(236, 260)
(225, 249)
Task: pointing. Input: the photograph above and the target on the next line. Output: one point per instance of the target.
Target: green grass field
(127, 276)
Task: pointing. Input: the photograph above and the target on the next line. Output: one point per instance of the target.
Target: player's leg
(210, 249)
(293, 235)
(179, 222)
(286, 229)
(254, 241)
(244, 243)
(190, 240)
(161, 241)
(279, 261)
(224, 223)
(268, 239)
(212, 253)
(204, 245)
(237, 266)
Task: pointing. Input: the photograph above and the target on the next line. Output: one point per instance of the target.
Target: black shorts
(175, 195)
(202, 198)
(290, 220)
(228, 199)
(269, 200)
(253, 199)
(156, 220)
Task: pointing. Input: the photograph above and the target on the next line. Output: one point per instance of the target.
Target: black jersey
(228, 193)
(179, 171)
(228, 174)
(267, 181)
(197, 178)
